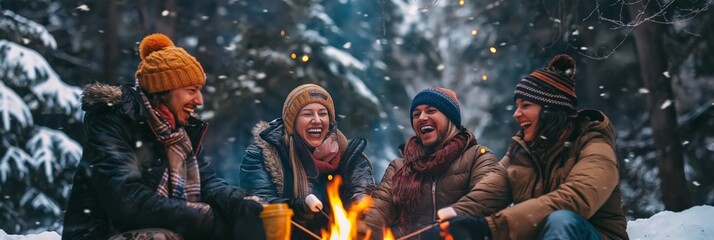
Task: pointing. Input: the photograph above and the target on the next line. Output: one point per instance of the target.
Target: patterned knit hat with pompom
(552, 87)
(165, 67)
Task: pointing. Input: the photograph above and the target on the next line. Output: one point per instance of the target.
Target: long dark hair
(551, 124)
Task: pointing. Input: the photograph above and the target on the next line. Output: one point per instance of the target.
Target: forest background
(646, 63)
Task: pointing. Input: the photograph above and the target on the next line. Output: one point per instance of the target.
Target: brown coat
(463, 174)
(581, 176)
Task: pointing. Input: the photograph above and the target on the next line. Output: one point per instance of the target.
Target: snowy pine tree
(37, 162)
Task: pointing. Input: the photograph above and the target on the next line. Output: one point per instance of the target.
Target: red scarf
(327, 156)
(420, 165)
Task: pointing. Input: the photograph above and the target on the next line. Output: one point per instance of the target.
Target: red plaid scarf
(181, 180)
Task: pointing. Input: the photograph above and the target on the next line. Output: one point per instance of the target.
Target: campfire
(344, 222)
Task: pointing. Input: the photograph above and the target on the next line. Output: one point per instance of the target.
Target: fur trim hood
(97, 94)
(271, 156)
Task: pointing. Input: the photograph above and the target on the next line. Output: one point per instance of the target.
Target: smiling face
(181, 102)
(527, 114)
(430, 125)
(312, 123)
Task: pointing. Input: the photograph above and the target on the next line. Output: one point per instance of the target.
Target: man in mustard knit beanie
(143, 174)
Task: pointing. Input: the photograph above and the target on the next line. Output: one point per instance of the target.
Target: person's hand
(257, 199)
(465, 228)
(250, 207)
(314, 204)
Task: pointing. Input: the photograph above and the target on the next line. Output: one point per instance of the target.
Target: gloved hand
(249, 221)
(465, 228)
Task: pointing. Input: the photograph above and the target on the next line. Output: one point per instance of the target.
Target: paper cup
(276, 221)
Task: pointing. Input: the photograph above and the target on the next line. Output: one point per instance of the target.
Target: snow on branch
(24, 67)
(14, 160)
(52, 151)
(24, 30)
(344, 58)
(38, 200)
(12, 107)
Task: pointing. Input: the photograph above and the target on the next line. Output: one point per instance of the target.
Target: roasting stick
(417, 232)
(305, 230)
(325, 214)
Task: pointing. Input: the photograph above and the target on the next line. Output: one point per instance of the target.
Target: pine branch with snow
(19, 29)
(12, 107)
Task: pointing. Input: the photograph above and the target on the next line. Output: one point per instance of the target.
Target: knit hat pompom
(152, 43)
(165, 67)
(564, 64)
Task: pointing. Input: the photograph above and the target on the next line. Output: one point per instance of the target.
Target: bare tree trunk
(111, 47)
(166, 24)
(663, 115)
(153, 19)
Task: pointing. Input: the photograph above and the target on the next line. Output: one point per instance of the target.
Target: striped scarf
(181, 180)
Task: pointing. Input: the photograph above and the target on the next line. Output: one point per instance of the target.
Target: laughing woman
(441, 163)
(292, 157)
(560, 171)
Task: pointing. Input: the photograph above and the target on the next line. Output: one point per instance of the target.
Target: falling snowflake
(347, 45)
(138, 144)
(165, 13)
(696, 184)
(83, 8)
(576, 33)
(666, 104)
(260, 75)
(666, 74)
(643, 91)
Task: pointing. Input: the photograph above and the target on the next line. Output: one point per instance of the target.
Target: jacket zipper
(433, 198)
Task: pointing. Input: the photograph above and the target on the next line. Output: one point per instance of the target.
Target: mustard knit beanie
(304, 95)
(165, 67)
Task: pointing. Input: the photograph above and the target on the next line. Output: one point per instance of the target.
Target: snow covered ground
(42, 236)
(693, 223)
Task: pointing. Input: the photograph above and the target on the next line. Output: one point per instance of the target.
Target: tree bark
(663, 117)
(111, 47)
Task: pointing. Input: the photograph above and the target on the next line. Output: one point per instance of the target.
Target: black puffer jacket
(122, 164)
(266, 172)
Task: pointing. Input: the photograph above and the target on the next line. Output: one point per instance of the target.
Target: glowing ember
(344, 225)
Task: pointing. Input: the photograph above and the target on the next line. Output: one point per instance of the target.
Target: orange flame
(388, 234)
(344, 225)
